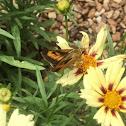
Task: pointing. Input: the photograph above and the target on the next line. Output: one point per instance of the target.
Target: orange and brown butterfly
(62, 58)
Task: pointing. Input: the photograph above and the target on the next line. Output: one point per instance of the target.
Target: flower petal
(122, 87)
(106, 62)
(123, 108)
(97, 49)
(85, 41)
(114, 74)
(96, 80)
(20, 119)
(92, 97)
(62, 43)
(2, 116)
(70, 78)
(116, 120)
(103, 116)
(85, 82)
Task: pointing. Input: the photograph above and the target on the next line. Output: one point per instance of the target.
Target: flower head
(15, 119)
(88, 59)
(107, 92)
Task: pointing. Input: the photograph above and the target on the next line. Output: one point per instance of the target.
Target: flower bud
(5, 95)
(6, 107)
(63, 5)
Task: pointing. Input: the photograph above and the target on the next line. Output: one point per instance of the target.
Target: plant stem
(66, 21)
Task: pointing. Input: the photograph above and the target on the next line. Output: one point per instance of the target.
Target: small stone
(56, 31)
(123, 2)
(98, 6)
(56, 25)
(106, 5)
(85, 11)
(100, 25)
(116, 14)
(125, 9)
(80, 20)
(59, 17)
(115, 5)
(112, 22)
(91, 3)
(117, 1)
(78, 15)
(91, 13)
(90, 22)
(90, 30)
(99, 13)
(61, 27)
(77, 8)
(124, 20)
(103, 18)
(109, 14)
(116, 36)
(113, 28)
(85, 24)
(123, 25)
(94, 25)
(118, 20)
(98, 19)
(52, 15)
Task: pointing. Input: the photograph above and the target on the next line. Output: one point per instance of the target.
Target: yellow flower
(16, 119)
(107, 92)
(89, 58)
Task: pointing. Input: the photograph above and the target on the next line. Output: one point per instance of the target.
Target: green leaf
(34, 40)
(18, 22)
(71, 18)
(41, 86)
(110, 42)
(47, 23)
(17, 40)
(5, 33)
(28, 10)
(41, 32)
(24, 64)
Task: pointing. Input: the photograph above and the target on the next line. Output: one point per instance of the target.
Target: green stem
(66, 21)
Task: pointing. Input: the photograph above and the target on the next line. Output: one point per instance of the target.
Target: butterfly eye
(83, 51)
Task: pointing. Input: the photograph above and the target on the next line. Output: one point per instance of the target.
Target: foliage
(51, 104)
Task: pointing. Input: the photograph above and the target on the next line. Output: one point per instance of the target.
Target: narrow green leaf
(5, 33)
(34, 41)
(47, 23)
(41, 32)
(41, 86)
(24, 64)
(17, 40)
(110, 42)
(72, 19)
(18, 22)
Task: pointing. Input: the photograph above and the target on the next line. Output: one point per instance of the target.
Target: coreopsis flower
(16, 119)
(107, 92)
(89, 58)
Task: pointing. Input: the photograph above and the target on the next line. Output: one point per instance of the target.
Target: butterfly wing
(68, 60)
(55, 56)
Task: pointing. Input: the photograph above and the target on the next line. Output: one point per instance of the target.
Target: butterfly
(62, 58)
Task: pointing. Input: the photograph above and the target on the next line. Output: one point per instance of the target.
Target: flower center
(113, 100)
(85, 62)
